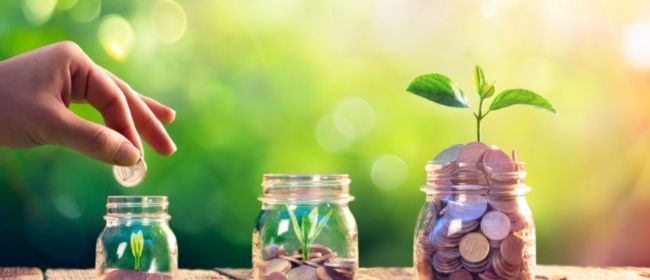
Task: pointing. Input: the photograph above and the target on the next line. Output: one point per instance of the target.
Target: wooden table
(545, 272)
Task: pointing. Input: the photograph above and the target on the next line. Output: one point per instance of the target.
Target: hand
(37, 87)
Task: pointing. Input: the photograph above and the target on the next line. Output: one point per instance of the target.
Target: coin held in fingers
(130, 176)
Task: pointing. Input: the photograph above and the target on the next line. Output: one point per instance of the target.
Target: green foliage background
(252, 80)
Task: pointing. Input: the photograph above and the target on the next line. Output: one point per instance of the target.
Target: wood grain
(21, 273)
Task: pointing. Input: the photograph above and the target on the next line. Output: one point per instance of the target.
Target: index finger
(103, 94)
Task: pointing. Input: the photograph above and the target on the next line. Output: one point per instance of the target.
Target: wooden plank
(87, 274)
(544, 272)
(21, 273)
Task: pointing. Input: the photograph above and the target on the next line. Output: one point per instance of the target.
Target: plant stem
(137, 264)
(478, 129)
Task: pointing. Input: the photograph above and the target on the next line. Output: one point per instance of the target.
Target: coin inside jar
(495, 225)
(449, 154)
(474, 247)
(130, 176)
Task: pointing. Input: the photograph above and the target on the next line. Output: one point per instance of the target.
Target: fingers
(123, 109)
(147, 121)
(94, 140)
(103, 94)
(165, 114)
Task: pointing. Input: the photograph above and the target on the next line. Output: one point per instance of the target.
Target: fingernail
(173, 116)
(127, 154)
(174, 148)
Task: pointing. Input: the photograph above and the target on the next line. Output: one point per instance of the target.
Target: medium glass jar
(305, 229)
(476, 223)
(137, 242)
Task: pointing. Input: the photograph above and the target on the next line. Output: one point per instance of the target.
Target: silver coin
(449, 154)
(130, 176)
(495, 225)
(467, 207)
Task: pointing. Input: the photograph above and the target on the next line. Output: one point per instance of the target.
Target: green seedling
(440, 89)
(137, 245)
(308, 229)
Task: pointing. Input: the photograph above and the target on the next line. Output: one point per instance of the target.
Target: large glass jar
(137, 242)
(305, 229)
(476, 223)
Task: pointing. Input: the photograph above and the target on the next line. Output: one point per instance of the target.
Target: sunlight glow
(389, 172)
(38, 12)
(116, 36)
(636, 44)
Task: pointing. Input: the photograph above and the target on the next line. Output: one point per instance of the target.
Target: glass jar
(305, 229)
(137, 242)
(475, 223)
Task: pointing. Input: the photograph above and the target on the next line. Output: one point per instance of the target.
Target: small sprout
(137, 245)
(308, 229)
(440, 89)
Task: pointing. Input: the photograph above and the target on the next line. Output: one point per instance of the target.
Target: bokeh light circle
(389, 172)
(169, 20)
(354, 117)
(328, 135)
(86, 10)
(38, 12)
(66, 4)
(116, 36)
(636, 44)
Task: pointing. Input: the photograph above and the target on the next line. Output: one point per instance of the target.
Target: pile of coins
(130, 176)
(477, 226)
(321, 265)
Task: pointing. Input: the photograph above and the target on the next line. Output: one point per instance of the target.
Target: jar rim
(503, 177)
(136, 207)
(514, 190)
(305, 188)
(138, 199)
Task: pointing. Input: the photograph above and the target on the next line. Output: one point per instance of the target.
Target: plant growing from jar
(308, 229)
(137, 245)
(476, 223)
(310, 259)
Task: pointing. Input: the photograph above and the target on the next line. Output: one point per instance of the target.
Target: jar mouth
(503, 177)
(305, 188)
(137, 207)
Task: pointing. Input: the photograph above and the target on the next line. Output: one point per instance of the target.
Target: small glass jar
(305, 229)
(137, 242)
(475, 224)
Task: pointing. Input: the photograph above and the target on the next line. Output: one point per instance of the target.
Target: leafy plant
(137, 245)
(308, 229)
(440, 89)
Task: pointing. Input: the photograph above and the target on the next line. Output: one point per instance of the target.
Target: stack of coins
(130, 176)
(323, 264)
(478, 226)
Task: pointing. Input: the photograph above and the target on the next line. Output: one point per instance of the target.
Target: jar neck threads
(305, 188)
(137, 207)
(476, 178)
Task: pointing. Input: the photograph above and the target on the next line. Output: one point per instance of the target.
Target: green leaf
(488, 90)
(306, 225)
(137, 244)
(438, 89)
(321, 224)
(313, 217)
(520, 96)
(479, 80)
(294, 222)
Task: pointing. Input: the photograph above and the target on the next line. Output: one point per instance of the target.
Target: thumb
(94, 140)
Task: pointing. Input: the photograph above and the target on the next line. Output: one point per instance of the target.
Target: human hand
(37, 87)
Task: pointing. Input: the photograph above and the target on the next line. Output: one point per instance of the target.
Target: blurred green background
(319, 86)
